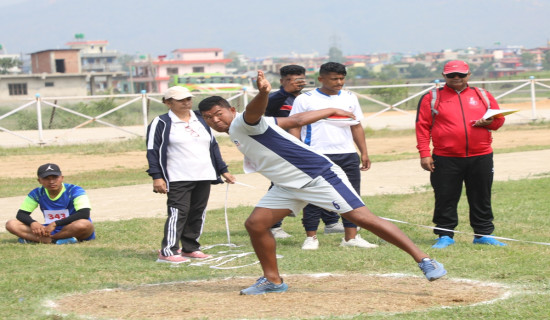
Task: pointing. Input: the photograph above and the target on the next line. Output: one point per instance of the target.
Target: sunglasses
(454, 74)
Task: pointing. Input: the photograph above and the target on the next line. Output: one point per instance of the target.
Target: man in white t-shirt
(300, 176)
(337, 140)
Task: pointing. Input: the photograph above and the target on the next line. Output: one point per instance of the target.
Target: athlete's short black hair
(213, 101)
(292, 69)
(333, 67)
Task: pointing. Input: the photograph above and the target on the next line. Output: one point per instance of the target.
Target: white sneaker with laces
(311, 243)
(279, 233)
(337, 227)
(357, 242)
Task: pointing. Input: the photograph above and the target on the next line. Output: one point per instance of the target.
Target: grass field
(125, 251)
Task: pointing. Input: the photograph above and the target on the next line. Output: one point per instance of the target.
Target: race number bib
(54, 215)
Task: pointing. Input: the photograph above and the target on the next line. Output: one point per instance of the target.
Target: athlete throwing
(300, 176)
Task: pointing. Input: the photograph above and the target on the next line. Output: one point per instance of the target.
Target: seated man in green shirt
(66, 210)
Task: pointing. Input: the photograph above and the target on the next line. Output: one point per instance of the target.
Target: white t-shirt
(323, 136)
(275, 153)
(188, 153)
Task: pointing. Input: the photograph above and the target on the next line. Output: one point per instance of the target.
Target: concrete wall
(198, 55)
(58, 85)
(188, 68)
(41, 62)
(44, 61)
(72, 60)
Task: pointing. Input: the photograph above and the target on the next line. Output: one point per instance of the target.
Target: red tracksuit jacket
(451, 130)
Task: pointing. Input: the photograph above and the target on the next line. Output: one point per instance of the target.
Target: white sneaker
(311, 243)
(337, 227)
(357, 242)
(279, 233)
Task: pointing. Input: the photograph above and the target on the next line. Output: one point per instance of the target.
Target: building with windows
(56, 61)
(94, 56)
(153, 75)
(56, 73)
(45, 84)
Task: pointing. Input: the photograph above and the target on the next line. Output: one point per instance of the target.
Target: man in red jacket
(452, 117)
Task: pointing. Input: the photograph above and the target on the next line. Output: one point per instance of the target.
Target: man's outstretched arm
(304, 118)
(256, 107)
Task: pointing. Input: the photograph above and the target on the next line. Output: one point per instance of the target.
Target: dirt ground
(25, 166)
(309, 296)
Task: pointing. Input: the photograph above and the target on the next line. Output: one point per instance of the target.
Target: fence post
(245, 98)
(39, 118)
(144, 109)
(533, 99)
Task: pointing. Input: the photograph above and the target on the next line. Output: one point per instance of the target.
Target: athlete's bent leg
(23, 231)
(258, 226)
(384, 229)
(80, 229)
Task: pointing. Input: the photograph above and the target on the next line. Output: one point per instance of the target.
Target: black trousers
(477, 175)
(186, 204)
(349, 162)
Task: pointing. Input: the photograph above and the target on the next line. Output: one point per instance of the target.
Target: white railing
(40, 103)
(425, 87)
(240, 99)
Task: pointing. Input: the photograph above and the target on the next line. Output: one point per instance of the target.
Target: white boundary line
(510, 291)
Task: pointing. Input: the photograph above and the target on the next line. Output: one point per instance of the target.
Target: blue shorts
(57, 229)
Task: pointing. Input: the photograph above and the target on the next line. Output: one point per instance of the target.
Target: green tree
(125, 60)
(235, 62)
(481, 70)
(418, 70)
(335, 55)
(389, 95)
(8, 63)
(528, 59)
(546, 60)
(389, 72)
(358, 73)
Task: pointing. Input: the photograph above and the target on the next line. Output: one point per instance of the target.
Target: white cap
(177, 93)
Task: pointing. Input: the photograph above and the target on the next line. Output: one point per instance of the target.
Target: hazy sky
(263, 28)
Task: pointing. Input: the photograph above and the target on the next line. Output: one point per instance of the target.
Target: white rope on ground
(225, 213)
(243, 184)
(434, 228)
(466, 233)
(226, 258)
(223, 259)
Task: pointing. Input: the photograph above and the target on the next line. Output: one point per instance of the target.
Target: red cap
(456, 66)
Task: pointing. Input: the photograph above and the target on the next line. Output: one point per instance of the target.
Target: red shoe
(172, 259)
(196, 255)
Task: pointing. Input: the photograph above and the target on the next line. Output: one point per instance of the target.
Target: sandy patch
(308, 296)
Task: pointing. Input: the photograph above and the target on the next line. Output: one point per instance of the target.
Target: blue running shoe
(263, 286)
(66, 241)
(21, 240)
(432, 269)
(443, 242)
(488, 240)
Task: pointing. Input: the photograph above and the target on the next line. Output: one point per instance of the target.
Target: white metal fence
(527, 90)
